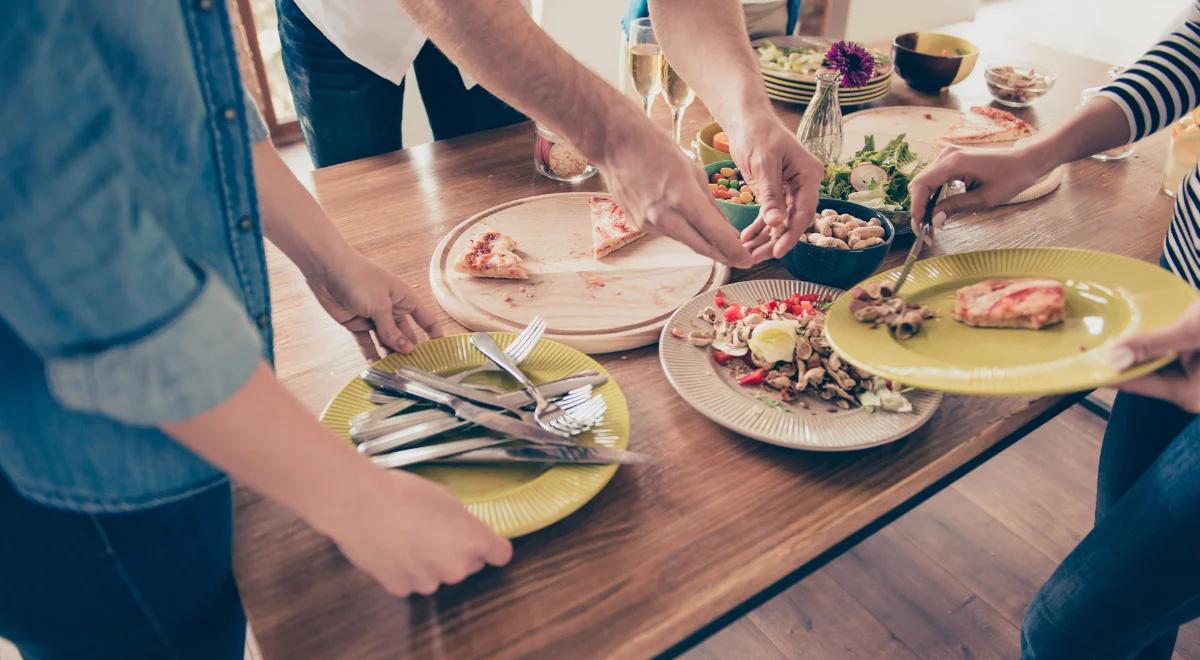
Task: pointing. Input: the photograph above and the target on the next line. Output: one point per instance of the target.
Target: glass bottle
(820, 128)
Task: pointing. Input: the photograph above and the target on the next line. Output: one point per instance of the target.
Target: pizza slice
(492, 254)
(986, 125)
(611, 230)
(1022, 303)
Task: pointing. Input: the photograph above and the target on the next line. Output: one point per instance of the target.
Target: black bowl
(840, 268)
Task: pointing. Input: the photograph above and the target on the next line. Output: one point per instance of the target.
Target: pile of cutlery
(533, 424)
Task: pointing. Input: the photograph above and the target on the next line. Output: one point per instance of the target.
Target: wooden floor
(951, 578)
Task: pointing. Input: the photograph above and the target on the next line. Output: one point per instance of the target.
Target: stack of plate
(795, 87)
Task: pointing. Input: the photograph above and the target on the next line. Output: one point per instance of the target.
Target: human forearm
(1098, 126)
(406, 531)
(499, 44)
(723, 71)
(262, 437)
(291, 218)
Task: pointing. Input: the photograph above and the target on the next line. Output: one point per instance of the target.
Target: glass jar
(1116, 153)
(555, 159)
(1183, 152)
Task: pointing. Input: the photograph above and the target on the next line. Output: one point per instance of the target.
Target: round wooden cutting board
(596, 306)
(928, 125)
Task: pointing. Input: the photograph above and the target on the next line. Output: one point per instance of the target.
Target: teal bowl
(840, 268)
(738, 215)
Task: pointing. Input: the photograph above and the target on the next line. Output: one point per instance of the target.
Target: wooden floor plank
(934, 614)
(741, 641)
(988, 558)
(817, 619)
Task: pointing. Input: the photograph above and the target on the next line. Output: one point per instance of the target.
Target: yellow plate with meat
(1108, 297)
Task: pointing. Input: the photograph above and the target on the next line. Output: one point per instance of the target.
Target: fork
(544, 412)
(520, 348)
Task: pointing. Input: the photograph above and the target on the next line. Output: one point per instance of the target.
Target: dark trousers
(348, 112)
(156, 583)
(1135, 578)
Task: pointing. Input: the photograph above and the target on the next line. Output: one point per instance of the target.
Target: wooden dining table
(667, 553)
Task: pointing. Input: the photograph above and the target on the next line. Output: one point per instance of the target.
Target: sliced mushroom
(708, 314)
(804, 349)
(753, 319)
(811, 377)
(701, 337)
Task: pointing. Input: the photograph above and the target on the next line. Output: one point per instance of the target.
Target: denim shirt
(134, 287)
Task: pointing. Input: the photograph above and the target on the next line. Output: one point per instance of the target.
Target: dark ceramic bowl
(739, 215)
(840, 268)
(932, 61)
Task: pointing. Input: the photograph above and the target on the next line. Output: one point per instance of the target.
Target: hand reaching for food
(786, 181)
(655, 184)
(992, 176)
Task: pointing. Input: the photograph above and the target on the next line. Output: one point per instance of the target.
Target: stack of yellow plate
(796, 87)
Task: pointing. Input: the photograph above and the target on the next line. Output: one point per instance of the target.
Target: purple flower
(853, 61)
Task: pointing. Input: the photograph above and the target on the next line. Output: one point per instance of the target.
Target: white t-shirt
(375, 33)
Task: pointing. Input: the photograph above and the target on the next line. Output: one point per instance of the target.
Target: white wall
(875, 20)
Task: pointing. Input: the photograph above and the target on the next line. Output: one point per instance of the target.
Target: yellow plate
(515, 499)
(1108, 298)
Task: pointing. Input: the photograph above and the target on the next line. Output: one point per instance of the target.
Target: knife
(558, 454)
(507, 400)
(411, 435)
(915, 250)
(406, 457)
(490, 419)
(376, 429)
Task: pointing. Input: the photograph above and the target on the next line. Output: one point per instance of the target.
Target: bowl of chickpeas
(734, 197)
(844, 245)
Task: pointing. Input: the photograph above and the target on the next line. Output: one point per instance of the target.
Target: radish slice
(866, 176)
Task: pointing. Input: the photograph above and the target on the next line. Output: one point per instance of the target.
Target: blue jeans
(348, 112)
(1135, 578)
(157, 583)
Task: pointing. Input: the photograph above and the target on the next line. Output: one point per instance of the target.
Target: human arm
(1162, 85)
(720, 65)
(407, 532)
(356, 292)
(499, 45)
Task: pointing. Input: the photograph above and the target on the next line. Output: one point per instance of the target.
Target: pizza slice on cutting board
(492, 254)
(986, 126)
(611, 230)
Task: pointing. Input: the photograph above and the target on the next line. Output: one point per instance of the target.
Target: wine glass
(645, 61)
(678, 95)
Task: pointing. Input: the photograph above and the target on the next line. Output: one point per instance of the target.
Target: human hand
(367, 299)
(1179, 382)
(785, 178)
(652, 180)
(992, 176)
(410, 534)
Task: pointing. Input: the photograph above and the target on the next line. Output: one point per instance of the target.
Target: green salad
(875, 178)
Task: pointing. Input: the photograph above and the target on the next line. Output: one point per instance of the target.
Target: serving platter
(1108, 297)
(617, 303)
(512, 499)
(928, 125)
(710, 389)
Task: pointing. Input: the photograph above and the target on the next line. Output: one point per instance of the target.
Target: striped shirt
(1161, 87)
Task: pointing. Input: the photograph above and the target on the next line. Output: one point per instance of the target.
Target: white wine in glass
(645, 62)
(678, 95)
